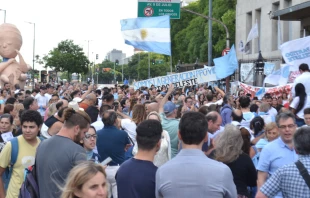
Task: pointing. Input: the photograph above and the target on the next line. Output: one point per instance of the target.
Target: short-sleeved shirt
(25, 158)
(288, 180)
(275, 155)
(136, 178)
(56, 156)
(171, 125)
(42, 101)
(111, 142)
(295, 104)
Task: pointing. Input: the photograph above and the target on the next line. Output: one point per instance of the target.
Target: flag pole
(171, 64)
(149, 67)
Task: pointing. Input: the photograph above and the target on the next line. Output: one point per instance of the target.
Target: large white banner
(188, 78)
(296, 52)
(246, 71)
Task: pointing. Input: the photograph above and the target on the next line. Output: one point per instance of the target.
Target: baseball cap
(77, 99)
(42, 87)
(74, 105)
(169, 107)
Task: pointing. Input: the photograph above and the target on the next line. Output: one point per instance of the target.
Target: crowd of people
(193, 141)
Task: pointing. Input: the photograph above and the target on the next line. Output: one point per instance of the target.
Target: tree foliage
(67, 57)
(136, 69)
(189, 34)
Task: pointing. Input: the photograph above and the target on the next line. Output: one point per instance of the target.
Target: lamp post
(92, 77)
(34, 42)
(4, 14)
(259, 70)
(226, 29)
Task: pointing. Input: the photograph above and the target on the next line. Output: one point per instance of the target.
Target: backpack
(255, 158)
(30, 188)
(8, 171)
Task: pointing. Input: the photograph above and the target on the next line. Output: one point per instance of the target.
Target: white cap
(77, 99)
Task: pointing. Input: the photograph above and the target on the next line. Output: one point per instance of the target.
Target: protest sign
(274, 91)
(188, 78)
(246, 71)
(296, 52)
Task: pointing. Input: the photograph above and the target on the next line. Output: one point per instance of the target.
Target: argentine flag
(150, 34)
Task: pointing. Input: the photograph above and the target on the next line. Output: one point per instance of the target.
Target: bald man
(90, 100)
(151, 107)
(65, 103)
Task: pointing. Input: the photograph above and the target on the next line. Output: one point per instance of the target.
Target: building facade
(248, 12)
(116, 55)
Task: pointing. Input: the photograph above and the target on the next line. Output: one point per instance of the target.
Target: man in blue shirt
(191, 173)
(112, 142)
(280, 152)
(140, 170)
(226, 109)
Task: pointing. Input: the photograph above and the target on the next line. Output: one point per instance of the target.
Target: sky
(96, 21)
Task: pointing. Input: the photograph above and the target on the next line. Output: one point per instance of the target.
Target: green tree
(67, 57)
(190, 34)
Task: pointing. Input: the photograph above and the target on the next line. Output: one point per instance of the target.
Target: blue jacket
(226, 114)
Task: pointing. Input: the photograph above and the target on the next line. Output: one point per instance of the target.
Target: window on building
(248, 28)
(287, 25)
(258, 15)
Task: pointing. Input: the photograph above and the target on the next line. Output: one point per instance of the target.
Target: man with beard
(57, 155)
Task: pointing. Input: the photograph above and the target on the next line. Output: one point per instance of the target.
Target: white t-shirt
(295, 103)
(130, 127)
(219, 102)
(48, 96)
(273, 112)
(42, 101)
(304, 79)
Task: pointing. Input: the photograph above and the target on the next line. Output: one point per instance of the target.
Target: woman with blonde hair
(228, 149)
(271, 133)
(86, 180)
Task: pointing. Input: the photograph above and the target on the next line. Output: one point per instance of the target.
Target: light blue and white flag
(150, 34)
(260, 93)
(268, 68)
(226, 65)
(296, 52)
(279, 77)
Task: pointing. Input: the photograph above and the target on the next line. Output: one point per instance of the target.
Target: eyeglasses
(88, 136)
(291, 126)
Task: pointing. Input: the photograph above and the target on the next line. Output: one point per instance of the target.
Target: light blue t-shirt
(247, 118)
(171, 125)
(275, 155)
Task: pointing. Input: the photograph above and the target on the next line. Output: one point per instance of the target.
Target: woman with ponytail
(257, 125)
(299, 103)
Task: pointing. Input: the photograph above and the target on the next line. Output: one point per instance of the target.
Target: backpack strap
(14, 151)
(303, 172)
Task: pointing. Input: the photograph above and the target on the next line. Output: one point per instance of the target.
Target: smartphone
(106, 161)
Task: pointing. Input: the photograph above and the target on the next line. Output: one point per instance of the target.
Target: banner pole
(171, 64)
(149, 72)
